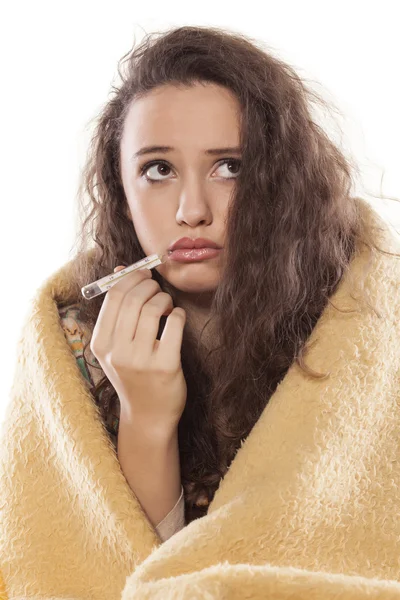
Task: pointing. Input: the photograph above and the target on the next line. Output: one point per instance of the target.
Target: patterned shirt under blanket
(77, 335)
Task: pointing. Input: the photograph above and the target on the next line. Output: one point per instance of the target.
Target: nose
(194, 207)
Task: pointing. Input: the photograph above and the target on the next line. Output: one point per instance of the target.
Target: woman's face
(192, 189)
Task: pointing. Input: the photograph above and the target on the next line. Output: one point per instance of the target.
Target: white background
(58, 61)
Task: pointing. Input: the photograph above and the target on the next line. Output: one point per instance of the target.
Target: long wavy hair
(291, 232)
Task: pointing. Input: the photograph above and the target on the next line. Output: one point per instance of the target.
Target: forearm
(149, 460)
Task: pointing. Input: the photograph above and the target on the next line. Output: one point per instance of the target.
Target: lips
(188, 243)
(195, 254)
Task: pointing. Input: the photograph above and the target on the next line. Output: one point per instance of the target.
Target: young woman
(208, 138)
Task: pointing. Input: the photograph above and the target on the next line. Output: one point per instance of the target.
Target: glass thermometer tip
(91, 290)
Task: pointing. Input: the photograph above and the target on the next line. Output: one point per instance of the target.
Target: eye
(155, 163)
(163, 166)
(230, 161)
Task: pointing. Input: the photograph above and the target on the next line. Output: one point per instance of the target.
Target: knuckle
(133, 299)
(165, 371)
(166, 297)
(117, 361)
(157, 303)
(139, 367)
(153, 285)
(162, 299)
(151, 308)
(115, 294)
(135, 295)
(121, 288)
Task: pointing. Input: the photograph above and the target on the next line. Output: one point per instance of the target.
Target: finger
(130, 309)
(169, 348)
(148, 325)
(107, 318)
(166, 312)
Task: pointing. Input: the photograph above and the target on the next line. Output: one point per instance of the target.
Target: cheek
(148, 229)
(155, 219)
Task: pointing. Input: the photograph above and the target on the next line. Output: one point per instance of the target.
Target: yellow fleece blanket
(309, 509)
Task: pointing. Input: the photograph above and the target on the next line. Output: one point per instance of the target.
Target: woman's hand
(145, 372)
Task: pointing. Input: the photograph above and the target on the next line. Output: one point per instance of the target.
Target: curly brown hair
(291, 231)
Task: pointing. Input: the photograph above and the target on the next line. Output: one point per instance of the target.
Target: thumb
(119, 268)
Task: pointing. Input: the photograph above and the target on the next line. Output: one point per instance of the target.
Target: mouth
(187, 243)
(187, 255)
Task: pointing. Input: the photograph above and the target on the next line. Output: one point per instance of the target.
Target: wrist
(147, 427)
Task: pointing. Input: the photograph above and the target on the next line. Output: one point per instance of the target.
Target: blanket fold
(309, 507)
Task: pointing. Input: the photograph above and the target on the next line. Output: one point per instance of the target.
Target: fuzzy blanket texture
(309, 508)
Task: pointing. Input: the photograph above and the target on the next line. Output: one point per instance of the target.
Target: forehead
(170, 114)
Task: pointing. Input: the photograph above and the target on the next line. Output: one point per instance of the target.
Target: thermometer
(91, 290)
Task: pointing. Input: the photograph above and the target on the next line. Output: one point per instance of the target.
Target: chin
(196, 287)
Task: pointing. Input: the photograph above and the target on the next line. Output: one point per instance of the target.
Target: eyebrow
(164, 149)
